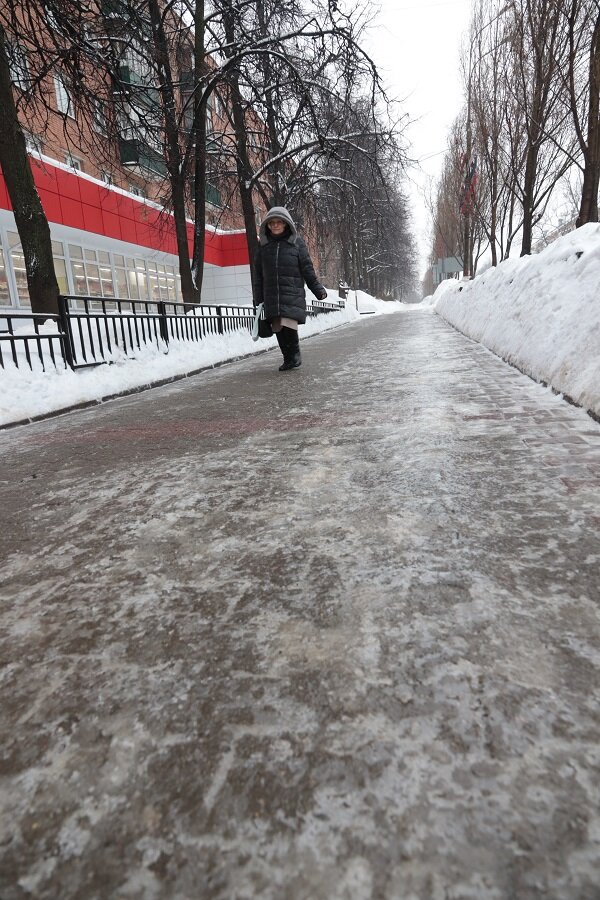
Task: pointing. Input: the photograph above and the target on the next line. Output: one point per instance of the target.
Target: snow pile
(540, 313)
(369, 304)
(25, 394)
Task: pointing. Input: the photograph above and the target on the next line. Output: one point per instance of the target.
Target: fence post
(64, 326)
(162, 321)
(219, 320)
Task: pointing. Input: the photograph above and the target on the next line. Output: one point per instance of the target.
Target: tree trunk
(243, 167)
(244, 171)
(278, 196)
(494, 216)
(588, 210)
(30, 218)
(173, 155)
(467, 245)
(528, 191)
(190, 291)
(199, 132)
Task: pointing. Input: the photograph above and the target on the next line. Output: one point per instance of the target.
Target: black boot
(290, 347)
(282, 341)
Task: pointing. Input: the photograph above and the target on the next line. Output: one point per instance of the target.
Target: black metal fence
(31, 339)
(90, 331)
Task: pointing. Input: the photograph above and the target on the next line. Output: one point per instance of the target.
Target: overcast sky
(416, 46)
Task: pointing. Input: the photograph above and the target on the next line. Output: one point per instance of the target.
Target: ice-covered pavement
(326, 634)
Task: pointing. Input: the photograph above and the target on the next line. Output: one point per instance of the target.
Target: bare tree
(539, 48)
(449, 237)
(583, 76)
(361, 202)
(289, 107)
(519, 111)
(30, 218)
(492, 108)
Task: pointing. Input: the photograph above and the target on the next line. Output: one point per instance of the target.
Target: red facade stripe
(88, 206)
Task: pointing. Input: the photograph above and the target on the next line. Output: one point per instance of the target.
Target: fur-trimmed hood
(277, 212)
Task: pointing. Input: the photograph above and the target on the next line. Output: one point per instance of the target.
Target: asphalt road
(329, 634)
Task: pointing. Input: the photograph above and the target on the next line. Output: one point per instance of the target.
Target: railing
(91, 331)
(21, 340)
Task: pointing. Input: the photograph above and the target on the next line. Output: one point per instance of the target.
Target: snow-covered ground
(541, 313)
(25, 394)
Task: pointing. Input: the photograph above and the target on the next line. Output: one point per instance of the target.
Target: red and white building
(109, 242)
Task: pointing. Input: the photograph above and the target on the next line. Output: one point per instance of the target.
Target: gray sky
(416, 47)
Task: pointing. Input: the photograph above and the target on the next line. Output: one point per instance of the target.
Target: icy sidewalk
(332, 633)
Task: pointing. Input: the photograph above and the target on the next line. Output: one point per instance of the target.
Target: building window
(18, 264)
(33, 143)
(135, 189)
(218, 106)
(60, 266)
(210, 127)
(99, 120)
(162, 282)
(64, 98)
(107, 178)
(4, 292)
(138, 278)
(74, 162)
(86, 272)
(213, 195)
(19, 70)
(131, 276)
(92, 272)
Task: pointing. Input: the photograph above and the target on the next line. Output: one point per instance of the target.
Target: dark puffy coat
(282, 267)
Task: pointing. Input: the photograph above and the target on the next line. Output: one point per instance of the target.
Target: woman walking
(282, 267)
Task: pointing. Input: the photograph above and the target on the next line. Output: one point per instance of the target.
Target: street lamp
(469, 186)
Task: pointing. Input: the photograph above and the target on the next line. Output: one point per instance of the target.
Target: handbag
(260, 326)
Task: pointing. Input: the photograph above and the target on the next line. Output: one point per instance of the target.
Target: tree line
(303, 121)
(527, 141)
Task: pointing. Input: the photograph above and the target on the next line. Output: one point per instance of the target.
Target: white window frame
(18, 66)
(74, 162)
(99, 118)
(33, 142)
(64, 98)
(136, 190)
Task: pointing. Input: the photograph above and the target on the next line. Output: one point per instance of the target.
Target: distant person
(282, 267)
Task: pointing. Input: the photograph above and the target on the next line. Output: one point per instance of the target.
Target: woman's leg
(280, 333)
(282, 342)
(290, 346)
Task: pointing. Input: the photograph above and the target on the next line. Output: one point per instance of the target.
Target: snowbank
(541, 313)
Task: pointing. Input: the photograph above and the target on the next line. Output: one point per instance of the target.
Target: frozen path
(333, 633)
